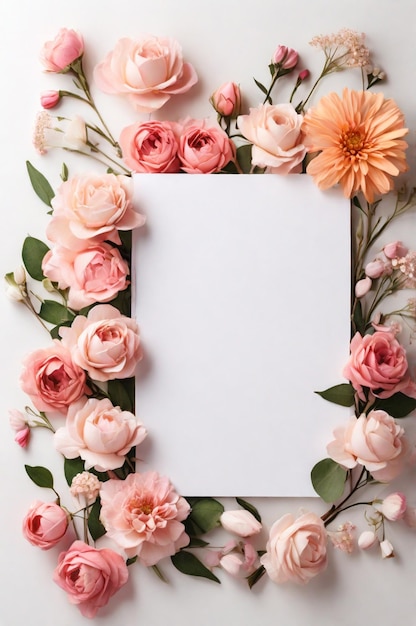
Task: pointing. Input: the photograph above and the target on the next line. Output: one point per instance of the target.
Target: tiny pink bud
(226, 100)
(375, 268)
(17, 420)
(241, 523)
(367, 539)
(393, 506)
(22, 437)
(387, 551)
(362, 287)
(286, 57)
(395, 250)
(49, 99)
(303, 75)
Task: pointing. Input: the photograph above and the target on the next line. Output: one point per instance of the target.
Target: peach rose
(296, 549)
(150, 147)
(275, 132)
(90, 577)
(143, 515)
(51, 378)
(105, 343)
(375, 441)
(378, 362)
(92, 207)
(100, 433)
(148, 72)
(67, 47)
(45, 524)
(204, 148)
(95, 274)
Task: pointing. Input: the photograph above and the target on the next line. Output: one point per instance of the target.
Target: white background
(225, 40)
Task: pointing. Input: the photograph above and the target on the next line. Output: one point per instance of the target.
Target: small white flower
(387, 551)
(367, 539)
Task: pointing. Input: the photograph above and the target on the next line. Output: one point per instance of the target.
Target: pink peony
(296, 549)
(95, 274)
(52, 379)
(143, 515)
(275, 132)
(150, 147)
(45, 524)
(67, 47)
(204, 148)
(226, 100)
(148, 72)
(105, 343)
(99, 433)
(90, 577)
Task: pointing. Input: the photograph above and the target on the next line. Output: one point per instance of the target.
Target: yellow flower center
(351, 142)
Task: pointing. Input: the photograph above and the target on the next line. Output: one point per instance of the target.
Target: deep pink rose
(45, 524)
(286, 57)
(150, 147)
(52, 379)
(226, 100)
(143, 514)
(100, 433)
(95, 274)
(105, 343)
(378, 362)
(92, 207)
(296, 549)
(204, 148)
(57, 55)
(148, 72)
(49, 99)
(90, 577)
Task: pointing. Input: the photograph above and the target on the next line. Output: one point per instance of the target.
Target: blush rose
(296, 549)
(105, 343)
(226, 100)
(45, 524)
(204, 148)
(150, 147)
(89, 576)
(58, 54)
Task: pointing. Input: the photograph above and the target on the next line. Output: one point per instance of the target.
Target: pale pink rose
(90, 577)
(395, 250)
(240, 522)
(375, 268)
(362, 287)
(92, 207)
(22, 437)
(150, 147)
(45, 524)
(95, 274)
(286, 57)
(204, 148)
(296, 549)
(143, 514)
(241, 562)
(375, 441)
(367, 539)
(148, 72)
(52, 379)
(49, 99)
(226, 100)
(275, 132)
(393, 507)
(105, 343)
(58, 54)
(378, 362)
(100, 433)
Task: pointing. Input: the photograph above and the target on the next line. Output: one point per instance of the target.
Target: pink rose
(100, 433)
(45, 524)
(375, 441)
(90, 577)
(286, 57)
(92, 207)
(150, 147)
(148, 72)
(296, 549)
(226, 100)
(67, 47)
(395, 250)
(143, 515)
(204, 148)
(49, 99)
(105, 343)
(52, 379)
(275, 132)
(378, 362)
(95, 274)
(393, 507)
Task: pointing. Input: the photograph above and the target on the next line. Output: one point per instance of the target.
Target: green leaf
(340, 394)
(262, 88)
(95, 527)
(72, 467)
(205, 515)
(358, 318)
(356, 202)
(55, 313)
(244, 157)
(249, 507)
(121, 393)
(131, 561)
(196, 542)
(64, 172)
(33, 251)
(397, 405)
(255, 576)
(188, 563)
(328, 480)
(41, 476)
(40, 185)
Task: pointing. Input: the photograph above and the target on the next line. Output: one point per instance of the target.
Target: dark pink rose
(57, 55)
(45, 524)
(150, 147)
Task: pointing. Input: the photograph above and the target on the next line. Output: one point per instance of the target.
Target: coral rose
(100, 433)
(378, 362)
(45, 524)
(90, 577)
(375, 441)
(143, 515)
(150, 147)
(275, 132)
(148, 72)
(105, 343)
(67, 47)
(52, 379)
(296, 549)
(204, 148)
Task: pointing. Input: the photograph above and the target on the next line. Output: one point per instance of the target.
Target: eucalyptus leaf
(249, 507)
(189, 564)
(95, 527)
(397, 405)
(72, 467)
(40, 185)
(41, 476)
(33, 251)
(339, 394)
(55, 313)
(205, 515)
(328, 480)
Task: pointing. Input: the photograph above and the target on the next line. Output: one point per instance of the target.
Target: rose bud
(395, 250)
(362, 287)
(286, 57)
(67, 47)
(241, 523)
(367, 539)
(45, 524)
(227, 100)
(393, 506)
(50, 99)
(375, 268)
(22, 437)
(387, 551)
(303, 75)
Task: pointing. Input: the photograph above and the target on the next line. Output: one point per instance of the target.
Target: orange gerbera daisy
(358, 138)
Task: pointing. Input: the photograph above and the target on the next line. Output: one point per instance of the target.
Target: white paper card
(241, 292)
